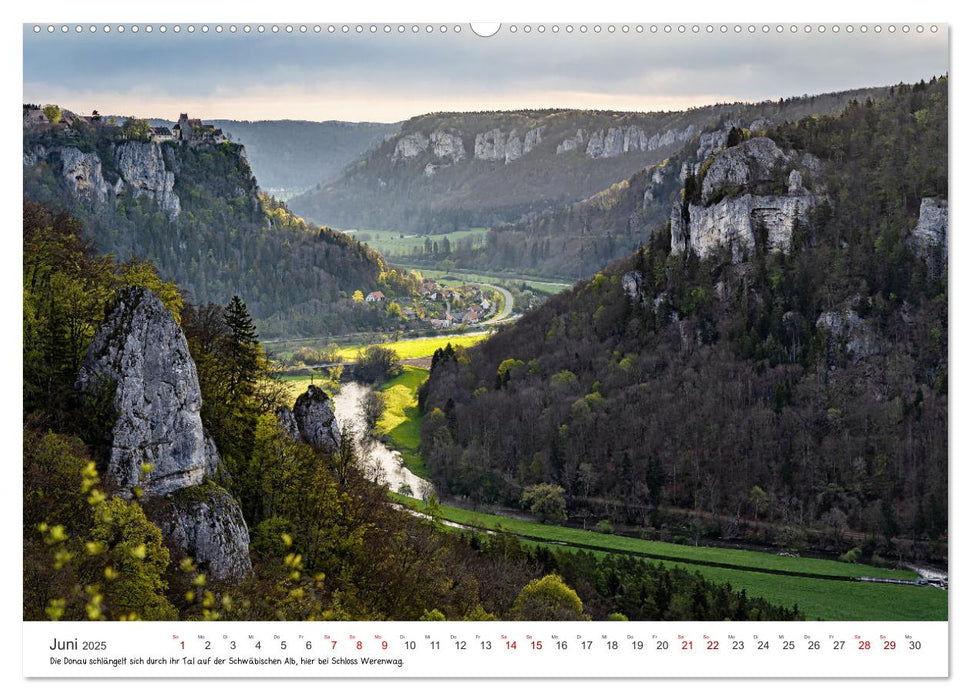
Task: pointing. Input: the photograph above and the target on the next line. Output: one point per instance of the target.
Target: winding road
(506, 312)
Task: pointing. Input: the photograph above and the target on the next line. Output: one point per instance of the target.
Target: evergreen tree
(244, 353)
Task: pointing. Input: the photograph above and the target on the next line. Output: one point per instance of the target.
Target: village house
(162, 133)
(374, 297)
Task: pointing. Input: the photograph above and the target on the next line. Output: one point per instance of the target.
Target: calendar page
(373, 349)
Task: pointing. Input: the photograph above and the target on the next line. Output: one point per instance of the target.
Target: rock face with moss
(138, 371)
(750, 194)
(140, 359)
(206, 523)
(143, 172)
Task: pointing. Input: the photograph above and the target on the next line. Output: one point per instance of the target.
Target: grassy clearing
(816, 598)
(836, 600)
(397, 243)
(297, 384)
(825, 600)
(401, 422)
(714, 555)
(465, 277)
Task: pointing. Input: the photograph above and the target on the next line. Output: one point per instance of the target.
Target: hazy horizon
(388, 78)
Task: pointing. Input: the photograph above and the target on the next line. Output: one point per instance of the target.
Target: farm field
(417, 347)
(397, 243)
(468, 276)
(817, 598)
(408, 348)
(716, 555)
(401, 421)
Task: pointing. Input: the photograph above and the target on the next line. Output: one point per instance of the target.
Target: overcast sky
(389, 77)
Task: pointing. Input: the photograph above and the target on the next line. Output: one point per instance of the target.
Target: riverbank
(381, 462)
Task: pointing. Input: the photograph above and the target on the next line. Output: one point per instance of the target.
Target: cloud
(390, 77)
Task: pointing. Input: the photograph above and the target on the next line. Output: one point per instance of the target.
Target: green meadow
(784, 580)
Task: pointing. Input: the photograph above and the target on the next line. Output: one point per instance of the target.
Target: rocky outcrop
(206, 523)
(288, 423)
(847, 332)
(760, 124)
(82, 172)
(140, 356)
(409, 147)
(610, 145)
(447, 146)
(34, 155)
(928, 240)
(635, 139)
(143, 172)
(733, 223)
(490, 145)
(748, 163)
(710, 142)
(736, 211)
(633, 285)
(533, 138)
(616, 141)
(659, 175)
(572, 143)
(314, 416)
(138, 367)
(514, 147)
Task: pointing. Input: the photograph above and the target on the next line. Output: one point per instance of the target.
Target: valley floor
(823, 589)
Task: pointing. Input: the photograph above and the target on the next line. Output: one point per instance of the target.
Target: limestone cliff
(82, 173)
(143, 172)
(747, 192)
(447, 146)
(616, 141)
(140, 167)
(928, 240)
(140, 355)
(139, 365)
(409, 147)
(849, 335)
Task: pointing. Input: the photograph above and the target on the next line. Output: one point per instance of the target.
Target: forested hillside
(289, 157)
(194, 209)
(584, 235)
(516, 171)
(781, 375)
(320, 541)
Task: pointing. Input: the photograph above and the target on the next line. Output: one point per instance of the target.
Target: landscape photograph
(556, 322)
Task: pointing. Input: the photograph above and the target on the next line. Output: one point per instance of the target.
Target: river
(381, 464)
